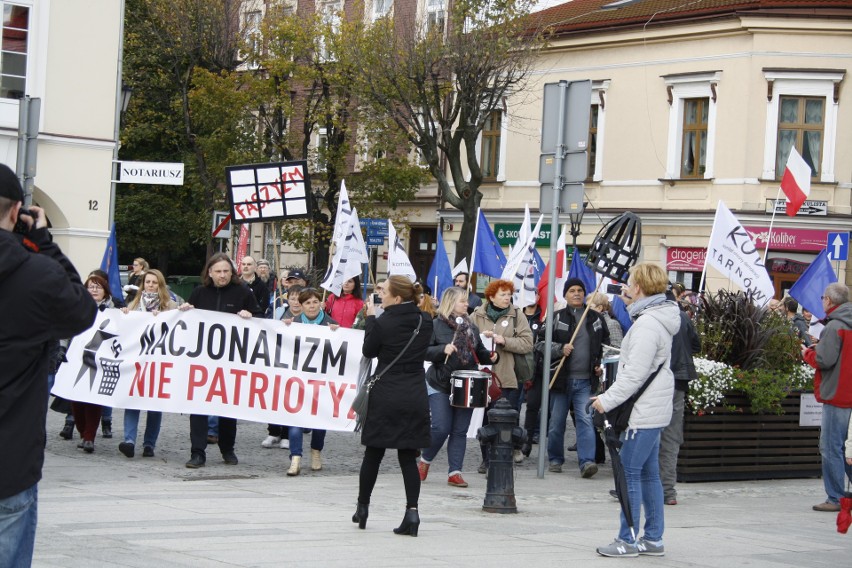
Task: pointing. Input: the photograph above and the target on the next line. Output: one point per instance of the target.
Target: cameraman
(42, 301)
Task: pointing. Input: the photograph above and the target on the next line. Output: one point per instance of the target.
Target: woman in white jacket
(646, 347)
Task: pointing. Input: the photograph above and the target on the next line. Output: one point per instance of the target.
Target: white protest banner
(398, 262)
(349, 255)
(204, 362)
(732, 252)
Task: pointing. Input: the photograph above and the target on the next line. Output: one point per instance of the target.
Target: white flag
(349, 255)
(398, 262)
(732, 252)
(344, 210)
(521, 250)
(461, 267)
(524, 274)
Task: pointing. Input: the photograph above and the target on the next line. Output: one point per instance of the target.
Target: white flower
(708, 390)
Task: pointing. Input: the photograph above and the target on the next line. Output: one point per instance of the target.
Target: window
(593, 140)
(331, 18)
(801, 111)
(693, 155)
(801, 121)
(692, 124)
(436, 15)
(490, 152)
(381, 8)
(321, 150)
(251, 32)
(597, 130)
(13, 61)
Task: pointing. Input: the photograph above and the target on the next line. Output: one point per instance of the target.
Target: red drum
(469, 389)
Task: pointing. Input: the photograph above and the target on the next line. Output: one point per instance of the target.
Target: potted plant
(743, 409)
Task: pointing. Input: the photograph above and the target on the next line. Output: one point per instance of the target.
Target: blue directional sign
(377, 231)
(838, 246)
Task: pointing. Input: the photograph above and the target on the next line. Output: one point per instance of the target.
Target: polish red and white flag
(796, 182)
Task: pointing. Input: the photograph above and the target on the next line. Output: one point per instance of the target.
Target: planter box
(740, 445)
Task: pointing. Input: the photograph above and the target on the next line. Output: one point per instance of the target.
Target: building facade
(66, 54)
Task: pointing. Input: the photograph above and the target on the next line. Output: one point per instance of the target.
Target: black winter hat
(10, 187)
(573, 282)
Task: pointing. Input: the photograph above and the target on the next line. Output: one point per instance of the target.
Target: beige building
(65, 52)
(692, 104)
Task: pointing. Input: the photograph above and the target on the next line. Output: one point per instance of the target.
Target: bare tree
(441, 86)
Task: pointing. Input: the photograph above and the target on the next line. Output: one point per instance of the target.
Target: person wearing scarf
(509, 331)
(152, 298)
(645, 350)
(311, 300)
(455, 346)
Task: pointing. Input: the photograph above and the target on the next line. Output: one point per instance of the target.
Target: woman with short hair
(645, 354)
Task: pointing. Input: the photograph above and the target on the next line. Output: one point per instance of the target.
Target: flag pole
(771, 222)
(473, 250)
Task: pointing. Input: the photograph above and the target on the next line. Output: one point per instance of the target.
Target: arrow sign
(809, 208)
(838, 246)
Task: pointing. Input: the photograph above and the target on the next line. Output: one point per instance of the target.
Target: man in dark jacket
(248, 274)
(43, 300)
(220, 291)
(577, 379)
(685, 344)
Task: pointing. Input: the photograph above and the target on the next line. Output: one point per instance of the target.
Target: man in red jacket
(832, 359)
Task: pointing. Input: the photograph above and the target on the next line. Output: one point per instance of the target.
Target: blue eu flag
(488, 255)
(109, 264)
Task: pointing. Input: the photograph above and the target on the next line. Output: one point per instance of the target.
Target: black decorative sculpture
(616, 247)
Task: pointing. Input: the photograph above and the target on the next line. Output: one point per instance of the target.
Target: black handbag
(362, 398)
(619, 417)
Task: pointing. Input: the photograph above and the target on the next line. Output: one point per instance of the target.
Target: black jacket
(439, 374)
(231, 299)
(563, 330)
(261, 293)
(398, 411)
(685, 344)
(42, 300)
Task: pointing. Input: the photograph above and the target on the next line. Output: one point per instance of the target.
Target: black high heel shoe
(361, 514)
(410, 523)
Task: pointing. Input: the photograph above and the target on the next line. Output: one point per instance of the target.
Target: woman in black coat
(398, 411)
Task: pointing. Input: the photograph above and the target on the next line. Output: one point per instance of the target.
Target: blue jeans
(448, 422)
(152, 426)
(18, 518)
(212, 425)
(832, 437)
(640, 454)
(106, 413)
(295, 437)
(578, 395)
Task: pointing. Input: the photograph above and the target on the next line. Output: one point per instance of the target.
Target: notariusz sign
(152, 173)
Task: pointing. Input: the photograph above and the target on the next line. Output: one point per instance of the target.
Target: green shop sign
(507, 234)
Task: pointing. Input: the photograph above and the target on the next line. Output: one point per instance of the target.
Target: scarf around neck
(150, 301)
(463, 338)
(303, 317)
(493, 313)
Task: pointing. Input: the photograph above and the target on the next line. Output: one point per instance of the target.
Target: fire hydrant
(501, 436)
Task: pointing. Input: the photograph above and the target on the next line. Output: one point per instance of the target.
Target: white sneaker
(270, 441)
(285, 444)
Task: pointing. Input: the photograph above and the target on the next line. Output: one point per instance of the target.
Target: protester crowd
(412, 409)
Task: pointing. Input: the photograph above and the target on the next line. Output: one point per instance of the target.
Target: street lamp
(576, 218)
(126, 93)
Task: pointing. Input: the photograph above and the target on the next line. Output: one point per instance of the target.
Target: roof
(596, 15)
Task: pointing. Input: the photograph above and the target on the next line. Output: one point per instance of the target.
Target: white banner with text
(204, 362)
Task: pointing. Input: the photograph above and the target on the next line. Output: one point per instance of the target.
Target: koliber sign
(151, 173)
(685, 259)
(805, 240)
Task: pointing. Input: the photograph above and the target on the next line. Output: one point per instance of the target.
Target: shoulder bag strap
(647, 382)
(404, 349)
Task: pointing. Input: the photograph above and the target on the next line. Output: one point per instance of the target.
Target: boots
(316, 460)
(410, 523)
(361, 514)
(67, 431)
(526, 448)
(295, 466)
(106, 428)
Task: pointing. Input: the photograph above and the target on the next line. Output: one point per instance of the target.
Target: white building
(66, 53)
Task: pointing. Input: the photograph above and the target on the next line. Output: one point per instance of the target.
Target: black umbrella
(612, 441)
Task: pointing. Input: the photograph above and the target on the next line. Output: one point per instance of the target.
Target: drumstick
(459, 321)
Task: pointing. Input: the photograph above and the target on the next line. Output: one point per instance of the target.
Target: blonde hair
(162, 291)
(650, 277)
(449, 299)
(402, 287)
(598, 299)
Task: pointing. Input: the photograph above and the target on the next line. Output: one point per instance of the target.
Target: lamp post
(576, 219)
(318, 199)
(122, 98)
